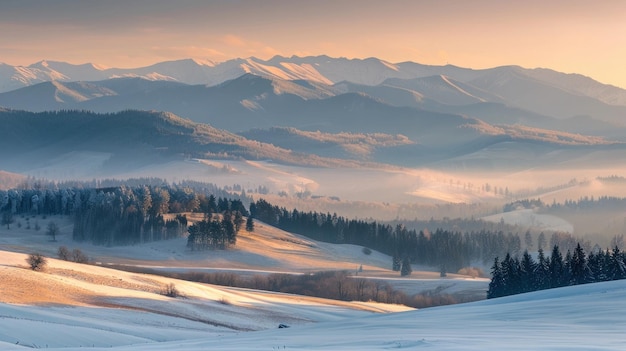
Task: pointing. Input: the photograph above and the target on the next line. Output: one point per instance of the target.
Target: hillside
(83, 143)
(86, 305)
(266, 250)
(534, 91)
(77, 305)
(128, 314)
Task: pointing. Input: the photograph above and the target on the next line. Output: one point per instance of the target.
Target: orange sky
(571, 36)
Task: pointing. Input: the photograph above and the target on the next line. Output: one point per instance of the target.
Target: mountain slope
(127, 139)
(521, 90)
(322, 69)
(580, 317)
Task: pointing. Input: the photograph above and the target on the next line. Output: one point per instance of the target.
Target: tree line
(447, 249)
(583, 203)
(215, 232)
(122, 215)
(513, 275)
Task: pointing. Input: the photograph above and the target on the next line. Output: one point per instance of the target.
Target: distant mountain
(323, 69)
(247, 102)
(206, 91)
(126, 140)
(78, 144)
(366, 147)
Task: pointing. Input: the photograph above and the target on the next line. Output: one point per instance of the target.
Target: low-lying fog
(397, 193)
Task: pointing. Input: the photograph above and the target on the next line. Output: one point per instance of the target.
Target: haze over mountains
(365, 136)
(540, 91)
(318, 111)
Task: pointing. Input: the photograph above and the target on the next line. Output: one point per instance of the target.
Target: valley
(475, 164)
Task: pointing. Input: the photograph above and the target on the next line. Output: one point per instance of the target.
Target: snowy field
(71, 306)
(83, 312)
(266, 250)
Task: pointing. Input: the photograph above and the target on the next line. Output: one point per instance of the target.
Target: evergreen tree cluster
(583, 203)
(120, 214)
(441, 248)
(514, 276)
(217, 232)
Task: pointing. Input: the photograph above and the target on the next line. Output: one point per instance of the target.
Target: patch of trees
(75, 255)
(523, 204)
(513, 275)
(336, 285)
(455, 224)
(583, 203)
(450, 250)
(216, 232)
(122, 215)
(612, 178)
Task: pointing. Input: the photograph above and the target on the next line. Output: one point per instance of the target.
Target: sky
(571, 36)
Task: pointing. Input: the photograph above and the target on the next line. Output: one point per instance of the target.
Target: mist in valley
(407, 182)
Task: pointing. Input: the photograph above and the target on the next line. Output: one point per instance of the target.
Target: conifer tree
(396, 263)
(617, 268)
(496, 286)
(581, 274)
(249, 224)
(406, 269)
(542, 271)
(528, 274)
(555, 269)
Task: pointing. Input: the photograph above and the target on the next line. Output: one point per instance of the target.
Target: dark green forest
(123, 215)
(513, 275)
(446, 249)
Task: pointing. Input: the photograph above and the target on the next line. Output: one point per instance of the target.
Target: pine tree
(581, 274)
(406, 269)
(542, 271)
(555, 269)
(396, 263)
(617, 268)
(566, 278)
(511, 275)
(496, 285)
(249, 224)
(528, 274)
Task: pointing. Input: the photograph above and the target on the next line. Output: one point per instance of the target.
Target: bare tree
(63, 253)
(7, 218)
(36, 261)
(53, 230)
(79, 257)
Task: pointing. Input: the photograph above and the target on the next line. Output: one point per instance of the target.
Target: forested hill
(128, 137)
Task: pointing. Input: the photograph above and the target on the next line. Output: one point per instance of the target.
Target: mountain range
(360, 110)
(199, 90)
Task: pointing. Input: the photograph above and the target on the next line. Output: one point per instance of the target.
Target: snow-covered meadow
(585, 317)
(71, 306)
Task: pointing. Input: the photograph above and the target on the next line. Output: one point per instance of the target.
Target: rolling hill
(127, 140)
(105, 309)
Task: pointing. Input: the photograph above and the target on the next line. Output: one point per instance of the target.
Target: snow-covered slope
(95, 306)
(321, 69)
(585, 317)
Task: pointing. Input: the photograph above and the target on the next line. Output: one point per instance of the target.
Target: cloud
(239, 46)
(233, 40)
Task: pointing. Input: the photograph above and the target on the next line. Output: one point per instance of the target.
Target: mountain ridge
(536, 96)
(324, 69)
